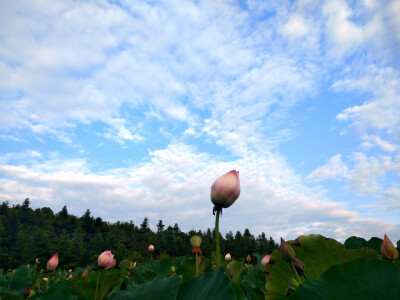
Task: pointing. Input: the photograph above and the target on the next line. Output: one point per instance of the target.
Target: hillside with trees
(27, 234)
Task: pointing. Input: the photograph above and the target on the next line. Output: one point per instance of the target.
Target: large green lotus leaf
(317, 254)
(355, 242)
(209, 285)
(160, 288)
(15, 285)
(233, 270)
(86, 288)
(356, 279)
(162, 267)
(59, 292)
(188, 267)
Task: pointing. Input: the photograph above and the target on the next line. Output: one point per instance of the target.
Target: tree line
(27, 234)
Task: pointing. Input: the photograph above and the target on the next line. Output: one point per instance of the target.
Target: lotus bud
(388, 250)
(299, 266)
(265, 260)
(195, 241)
(27, 292)
(226, 189)
(228, 256)
(85, 274)
(172, 268)
(231, 274)
(150, 248)
(45, 279)
(70, 276)
(52, 263)
(37, 261)
(105, 259)
(286, 251)
(248, 258)
(111, 264)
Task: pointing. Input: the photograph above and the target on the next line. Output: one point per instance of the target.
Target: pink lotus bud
(299, 266)
(265, 260)
(52, 263)
(27, 292)
(388, 250)
(226, 189)
(228, 256)
(111, 264)
(248, 258)
(150, 248)
(105, 259)
(70, 276)
(85, 274)
(287, 251)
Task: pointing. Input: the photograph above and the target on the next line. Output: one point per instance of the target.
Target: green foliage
(27, 234)
(356, 279)
(317, 254)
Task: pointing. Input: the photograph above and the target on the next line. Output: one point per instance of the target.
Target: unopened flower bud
(105, 259)
(226, 189)
(195, 241)
(27, 292)
(231, 274)
(52, 263)
(286, 251)
(388, 250)
(228, 256)
(150, 248)
(85, 274)
(172, 269)
(248, 258)
(265, 260)
(299, 266)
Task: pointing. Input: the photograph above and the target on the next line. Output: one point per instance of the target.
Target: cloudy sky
(133, 108)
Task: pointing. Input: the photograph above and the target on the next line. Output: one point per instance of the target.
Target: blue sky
(132, 109)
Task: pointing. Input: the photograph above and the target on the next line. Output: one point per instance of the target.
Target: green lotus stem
(217, 248)
(97, 286)
(197, 266)
(151, 255)
(294, 271)
(9, 284)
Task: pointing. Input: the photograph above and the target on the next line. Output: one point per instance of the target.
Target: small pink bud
(228, 256)
(226, 189)
(70, 276)
(231, 274)
(85, 274)
(105, 259)
(286, 251)
(27, 292)
(388, 250)
(299, 266)
(150, 248)
(52, 263)
(265, 260)
(248, 258)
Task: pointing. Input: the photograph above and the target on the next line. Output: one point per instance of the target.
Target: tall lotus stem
(217, 248)
(294, 271)
(197, 266)
(97, 285)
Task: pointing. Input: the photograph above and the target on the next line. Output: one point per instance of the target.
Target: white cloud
(334, 169)
(178, 179)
